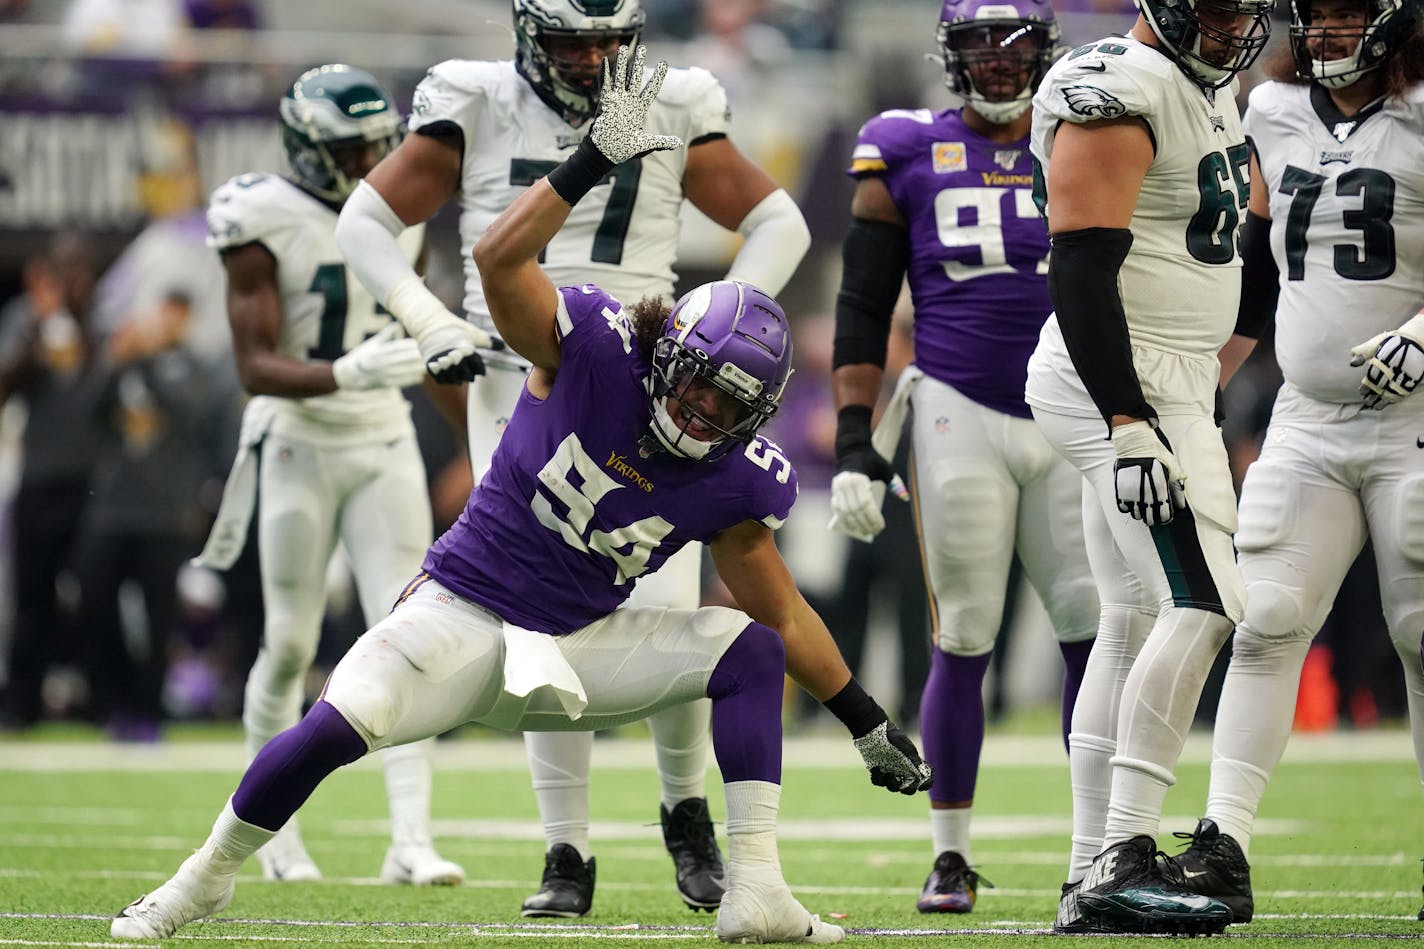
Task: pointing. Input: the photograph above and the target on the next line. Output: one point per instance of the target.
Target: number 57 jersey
(572, 512)
(1347, 233)
(623, 234)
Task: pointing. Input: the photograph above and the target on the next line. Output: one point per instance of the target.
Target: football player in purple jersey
(635, 435)
(946, 197)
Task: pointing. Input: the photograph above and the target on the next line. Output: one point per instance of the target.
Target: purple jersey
(570, 515)
(978, 248)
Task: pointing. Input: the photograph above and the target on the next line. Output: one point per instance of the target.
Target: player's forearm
(812, 657)
(777, 238)
(268, 373)
(522, 230)
(366, 233)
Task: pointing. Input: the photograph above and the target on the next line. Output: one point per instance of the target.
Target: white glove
(448, 344)
(1394, 364)
(617, 130)
(1150, 482)
(856, 500)
(387, 360)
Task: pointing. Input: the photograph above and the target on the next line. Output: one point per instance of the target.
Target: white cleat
(419, 865)
(285, 858)
(758, 908)
(192, 893)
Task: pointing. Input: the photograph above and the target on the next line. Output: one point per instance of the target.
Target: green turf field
(87, 826)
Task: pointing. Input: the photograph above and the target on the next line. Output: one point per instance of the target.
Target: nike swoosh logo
(1095, 67)
(1193, 874)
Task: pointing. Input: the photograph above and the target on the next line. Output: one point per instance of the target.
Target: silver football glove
(1394, 364)
(617, 131)
(893, 760)
(388, 360)
(1150, 482)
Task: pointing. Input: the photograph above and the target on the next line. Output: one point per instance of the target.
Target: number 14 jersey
(571, 513)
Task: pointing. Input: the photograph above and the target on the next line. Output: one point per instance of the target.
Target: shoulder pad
(879, 138)
(449, 88)
(684, 86)
(245, 209)
(1104, 80)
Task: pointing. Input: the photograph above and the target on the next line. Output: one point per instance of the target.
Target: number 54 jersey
(1347, 206)
(325, 310)
(623, 234)
(572, 513)
(1181, 281)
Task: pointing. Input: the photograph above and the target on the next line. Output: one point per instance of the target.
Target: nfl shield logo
(1006, 158)
(949, 157)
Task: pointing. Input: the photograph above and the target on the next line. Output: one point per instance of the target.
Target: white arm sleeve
(776, 240)
(366, 232)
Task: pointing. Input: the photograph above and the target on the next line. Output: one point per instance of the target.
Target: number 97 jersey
(623, 235)
(1181, 282)
(326, 311)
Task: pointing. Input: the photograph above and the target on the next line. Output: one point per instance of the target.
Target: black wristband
(856, 709)
(852, 428)
(579, 172)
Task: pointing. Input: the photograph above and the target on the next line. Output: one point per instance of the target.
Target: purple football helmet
(724, 358)
(1016, 37)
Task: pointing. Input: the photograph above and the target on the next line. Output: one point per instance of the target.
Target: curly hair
(1403, 69)
(648, 317)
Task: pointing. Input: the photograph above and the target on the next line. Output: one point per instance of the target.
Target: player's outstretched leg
(411, 857)
(745, 689)
(278, 781)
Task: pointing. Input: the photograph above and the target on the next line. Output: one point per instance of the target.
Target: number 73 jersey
(623, 234)
(1181, 282)
(1347, 226)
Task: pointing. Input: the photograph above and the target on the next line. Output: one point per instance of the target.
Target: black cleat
(1213, 865)
(1133, 887)
(567, 890)
(1069, 921)
(690, 839)
(951, 886)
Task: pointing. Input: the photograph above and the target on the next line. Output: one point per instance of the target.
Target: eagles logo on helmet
(1181, 29)
(1385, 25)
(569, 84)
(730, 337)
(974, 35)
(329, 111)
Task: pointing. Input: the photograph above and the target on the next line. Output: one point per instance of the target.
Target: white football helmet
(569, 87)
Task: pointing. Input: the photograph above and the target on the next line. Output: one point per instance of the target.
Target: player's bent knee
(289, 657)
(1274, 613)
(1411, 519)
(1406, 631)
(756, 658)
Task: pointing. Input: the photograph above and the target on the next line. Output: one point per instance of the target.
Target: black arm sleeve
(1260, 278)
(1082, 283)
(874, 257)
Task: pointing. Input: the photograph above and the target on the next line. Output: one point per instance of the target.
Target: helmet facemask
(718, 370)
(1006, 55)
(555, 46)
(1370, 40)
(1209, 54)
(336, 119)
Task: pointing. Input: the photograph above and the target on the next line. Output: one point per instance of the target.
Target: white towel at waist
(229, 533)
(533, 661)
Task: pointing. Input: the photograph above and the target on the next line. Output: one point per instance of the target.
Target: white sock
(232, 841)
(408, 788)
(558, 771)
(1090, 766)
(949, 830)
(680, 734)
(751, 822)
(1159, 702)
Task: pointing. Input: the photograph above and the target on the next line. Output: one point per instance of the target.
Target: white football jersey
(1181, 281)
(623, 234)
(325, 309)
(1347, 231)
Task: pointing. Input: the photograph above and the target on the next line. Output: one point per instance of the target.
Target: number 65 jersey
(325, 310)
(572, 513)
(1347, 212)
(623, 234)
(1181, 281)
